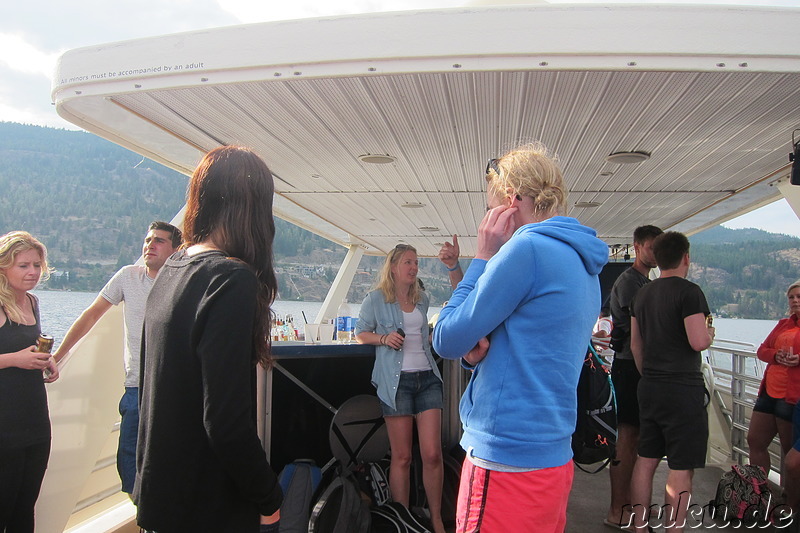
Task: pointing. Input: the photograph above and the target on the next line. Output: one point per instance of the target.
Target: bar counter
(301, 350)
(302, 391)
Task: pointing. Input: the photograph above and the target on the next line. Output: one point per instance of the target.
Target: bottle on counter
(343, 319)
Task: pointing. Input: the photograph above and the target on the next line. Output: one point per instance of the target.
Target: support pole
(344, 278)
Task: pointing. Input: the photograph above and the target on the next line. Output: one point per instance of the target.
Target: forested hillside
(90, 202)
(745, 272)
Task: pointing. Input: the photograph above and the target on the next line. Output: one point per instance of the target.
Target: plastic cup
(326, 333)
(311, 331)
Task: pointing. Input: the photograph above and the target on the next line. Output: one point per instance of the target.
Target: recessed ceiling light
(627, 158)
(412, 205)
(428, 228)
(377, 159)
(606, 174)
(588, 204)
(316, 176)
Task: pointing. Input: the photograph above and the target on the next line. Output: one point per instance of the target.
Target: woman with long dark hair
(200, 464)
(24, 417)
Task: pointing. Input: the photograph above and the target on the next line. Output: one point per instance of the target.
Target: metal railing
(736, 374)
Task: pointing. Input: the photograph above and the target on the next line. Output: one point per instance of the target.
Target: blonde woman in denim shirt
(408, 381)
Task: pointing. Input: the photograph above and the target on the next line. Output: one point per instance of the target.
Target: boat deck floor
(589, 501)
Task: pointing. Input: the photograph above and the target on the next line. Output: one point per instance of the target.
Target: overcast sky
(35, 32)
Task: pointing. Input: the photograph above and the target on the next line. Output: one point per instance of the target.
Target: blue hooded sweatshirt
(536, 300)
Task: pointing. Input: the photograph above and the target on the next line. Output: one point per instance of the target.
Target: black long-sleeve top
(200, 465)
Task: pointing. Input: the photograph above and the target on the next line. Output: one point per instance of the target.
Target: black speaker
(794, 157)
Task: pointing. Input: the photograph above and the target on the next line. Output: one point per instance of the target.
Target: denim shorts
(416, 392)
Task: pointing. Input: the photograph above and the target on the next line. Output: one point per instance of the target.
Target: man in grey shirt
(132, 285)
(625, 375)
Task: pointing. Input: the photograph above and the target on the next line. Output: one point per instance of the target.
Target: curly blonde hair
(530, 170)
(11, 245)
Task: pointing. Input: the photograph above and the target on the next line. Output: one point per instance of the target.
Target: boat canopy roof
(708, 95)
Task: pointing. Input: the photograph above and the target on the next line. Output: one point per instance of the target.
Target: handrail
(737, 373)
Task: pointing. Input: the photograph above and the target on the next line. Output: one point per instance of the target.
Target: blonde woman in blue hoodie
(522, 318)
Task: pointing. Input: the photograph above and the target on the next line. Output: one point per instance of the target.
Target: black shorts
(674, 423)
(626, 377)
(774, 406)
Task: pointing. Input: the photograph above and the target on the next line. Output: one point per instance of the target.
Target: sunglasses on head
(492, 165)
(402, 247)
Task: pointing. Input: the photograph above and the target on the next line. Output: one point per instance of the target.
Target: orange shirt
(777, 377)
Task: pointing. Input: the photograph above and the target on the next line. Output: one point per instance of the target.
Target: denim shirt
(379, 317)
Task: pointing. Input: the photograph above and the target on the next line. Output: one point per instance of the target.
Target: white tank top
(414, 358)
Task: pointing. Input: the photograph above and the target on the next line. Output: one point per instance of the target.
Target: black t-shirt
(24, 417)
(625, 288)
(660, 308)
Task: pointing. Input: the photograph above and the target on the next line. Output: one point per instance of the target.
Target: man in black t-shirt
(624, 373)
(668, 331)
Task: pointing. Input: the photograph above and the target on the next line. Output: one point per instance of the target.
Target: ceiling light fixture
(428, 228)
(412, 205)
(377, 159)
(627, 158)
(588, 204)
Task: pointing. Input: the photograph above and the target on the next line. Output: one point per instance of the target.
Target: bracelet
(454, 268)
(382, 339)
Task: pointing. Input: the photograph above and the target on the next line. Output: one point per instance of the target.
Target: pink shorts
(499, 502)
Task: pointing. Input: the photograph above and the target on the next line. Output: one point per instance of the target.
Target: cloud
(57, 26)
(25, 98)
(256, 11)
(36, 32)
(18, 54)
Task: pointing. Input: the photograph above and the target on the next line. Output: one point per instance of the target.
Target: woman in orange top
(780, 387)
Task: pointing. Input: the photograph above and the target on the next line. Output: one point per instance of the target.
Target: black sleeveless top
(24, 417)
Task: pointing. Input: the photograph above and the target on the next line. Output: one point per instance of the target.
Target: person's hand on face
(495, 229)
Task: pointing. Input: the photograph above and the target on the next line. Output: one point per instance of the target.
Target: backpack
(595, 436)
(452, 479)
(299, 481)
(340, 508)
(394, 517)
(373, 482)
(384, 521)
(743, 493)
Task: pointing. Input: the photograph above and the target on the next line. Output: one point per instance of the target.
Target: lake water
(60, 309)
